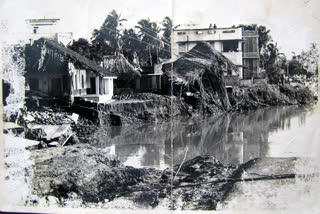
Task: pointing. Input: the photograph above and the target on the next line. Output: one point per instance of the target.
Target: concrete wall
(47, 28)
(207, 34)
(191, 36)
(105, 86)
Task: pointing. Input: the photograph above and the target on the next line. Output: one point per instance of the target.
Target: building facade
(54, 71)
(47, 28)
(237, 44)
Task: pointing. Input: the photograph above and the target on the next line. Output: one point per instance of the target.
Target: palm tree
(131, 41)
(166, 36)
(148, 34)
(110, 31)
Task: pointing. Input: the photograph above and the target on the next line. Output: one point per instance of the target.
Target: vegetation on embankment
(147, 107)
(265, 95)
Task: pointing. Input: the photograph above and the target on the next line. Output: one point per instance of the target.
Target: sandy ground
(17, 169)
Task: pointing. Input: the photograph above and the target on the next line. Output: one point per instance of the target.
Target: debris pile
(202, 70)
(47, 126)
(87, 173)
(45, 118)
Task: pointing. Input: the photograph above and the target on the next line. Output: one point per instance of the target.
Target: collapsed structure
(202, 70)
(238, 45)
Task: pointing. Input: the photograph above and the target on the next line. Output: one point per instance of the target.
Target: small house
(54, 71)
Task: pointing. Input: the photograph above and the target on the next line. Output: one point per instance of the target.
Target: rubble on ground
(85, 171)
(45, 126)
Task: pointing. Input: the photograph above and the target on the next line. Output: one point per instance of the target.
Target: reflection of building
(237, 44)
(47, 28)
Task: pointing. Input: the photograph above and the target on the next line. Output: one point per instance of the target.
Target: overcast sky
(294, 24)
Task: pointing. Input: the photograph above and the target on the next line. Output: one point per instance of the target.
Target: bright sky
(294, 24)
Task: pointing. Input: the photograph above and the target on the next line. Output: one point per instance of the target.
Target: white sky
(294, 24)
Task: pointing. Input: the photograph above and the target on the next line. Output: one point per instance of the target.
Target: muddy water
(232, 138)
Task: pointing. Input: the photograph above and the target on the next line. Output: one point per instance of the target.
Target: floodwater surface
(232, 138)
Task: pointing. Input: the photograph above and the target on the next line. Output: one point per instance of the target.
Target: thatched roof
(198, 59)
(77, 58)
(119, 65)
(202, 56)
(202, 66)
(205, 51)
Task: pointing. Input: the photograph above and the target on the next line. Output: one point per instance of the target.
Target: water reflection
(231, 138)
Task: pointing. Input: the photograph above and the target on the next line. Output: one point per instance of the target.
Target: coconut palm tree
(109, 32)
(149, 36)
(166, 36)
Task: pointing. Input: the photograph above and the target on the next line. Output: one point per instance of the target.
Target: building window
(76, 82)
(35, 30)
(182, 47)
(181, 33)
(228, 31)
(230, 46)
(82, 81)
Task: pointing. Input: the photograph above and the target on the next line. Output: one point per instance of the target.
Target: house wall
(79, 80)
(45, 28)
(49, 84)
(192, 36)
(244, 54)
(99, 89)
(185, 40)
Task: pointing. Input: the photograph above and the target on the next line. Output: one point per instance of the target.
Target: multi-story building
(237, 44)
(47, 28)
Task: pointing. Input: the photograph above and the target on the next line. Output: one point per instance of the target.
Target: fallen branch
(266, 177)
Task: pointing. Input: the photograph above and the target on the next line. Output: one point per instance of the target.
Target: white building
(240, 46)
(47, 28)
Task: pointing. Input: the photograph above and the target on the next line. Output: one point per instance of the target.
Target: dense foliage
(148, 40)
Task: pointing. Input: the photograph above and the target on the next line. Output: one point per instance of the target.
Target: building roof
(43, 21)
(118, 65)
(205, 51)
(200, 58)
(76, 57)
(194, 28)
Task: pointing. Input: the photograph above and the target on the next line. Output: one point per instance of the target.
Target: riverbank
(82, 176)
(144, 108)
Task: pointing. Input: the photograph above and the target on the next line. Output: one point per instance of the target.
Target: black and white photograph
(160, 106)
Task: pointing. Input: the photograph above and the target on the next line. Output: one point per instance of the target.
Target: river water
(232, 138)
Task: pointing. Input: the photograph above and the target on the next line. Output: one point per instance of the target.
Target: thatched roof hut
(192, 64)
(43, 46)
(202, 69)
